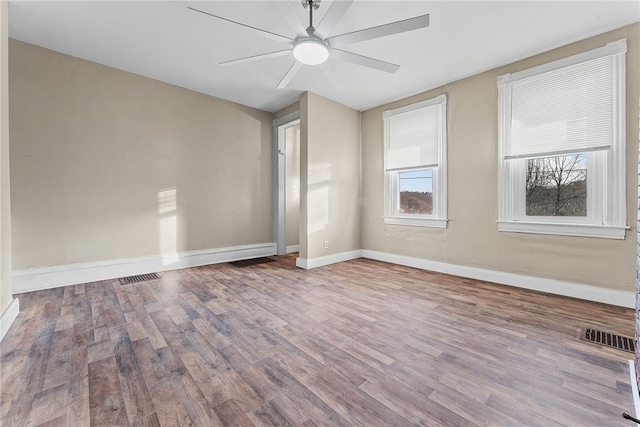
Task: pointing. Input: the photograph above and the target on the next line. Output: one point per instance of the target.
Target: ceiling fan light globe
(311, 52)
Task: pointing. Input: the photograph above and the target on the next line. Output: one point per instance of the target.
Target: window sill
(416, 222)
(578, 230)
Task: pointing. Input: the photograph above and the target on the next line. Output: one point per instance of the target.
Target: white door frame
(279, 179)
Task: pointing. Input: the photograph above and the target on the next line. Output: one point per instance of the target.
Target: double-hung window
(415, 142)
(562, 146)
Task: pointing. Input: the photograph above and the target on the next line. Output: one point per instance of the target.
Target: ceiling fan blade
(365, 61)
(331, 18)
(332, 76)
(291, 18)
(257, 57)
(290, 74)
(263, 33)
(380, 31)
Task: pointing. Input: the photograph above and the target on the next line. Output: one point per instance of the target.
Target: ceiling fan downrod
(312, 5)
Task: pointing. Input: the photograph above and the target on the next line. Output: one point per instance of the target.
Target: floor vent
(608, 339)
(249, 262)
(139, 278)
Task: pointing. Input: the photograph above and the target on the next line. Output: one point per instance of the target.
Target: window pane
(557, 186)
(416, 191)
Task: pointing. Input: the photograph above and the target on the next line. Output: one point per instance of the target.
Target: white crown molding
(51, 277)
(558, 287)
(8, 317)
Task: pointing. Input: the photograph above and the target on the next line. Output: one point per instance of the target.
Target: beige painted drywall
(472, 237)
(330, 172)
(5, 206)
(293, 108)
(106, 164)
(292, 186)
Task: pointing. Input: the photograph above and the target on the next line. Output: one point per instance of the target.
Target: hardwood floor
(357, 343)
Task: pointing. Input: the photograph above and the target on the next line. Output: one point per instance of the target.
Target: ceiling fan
(312, 46)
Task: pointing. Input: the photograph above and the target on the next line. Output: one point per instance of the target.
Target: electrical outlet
(326, 244)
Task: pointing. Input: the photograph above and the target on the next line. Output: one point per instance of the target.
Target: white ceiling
(166, 41)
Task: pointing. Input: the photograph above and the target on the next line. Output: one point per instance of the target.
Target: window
(415, 141)
(556, 186)
(562, 146)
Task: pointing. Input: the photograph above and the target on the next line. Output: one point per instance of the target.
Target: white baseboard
(575, 290)
(293, 248)
(52, 277)
(634, 388)
(8, 317)
(308, 264)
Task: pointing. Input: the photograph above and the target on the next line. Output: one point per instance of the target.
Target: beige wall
(472, 238)
(293, 108)
(292, 184)
(106, 164)
(330, 171)
(5, 207)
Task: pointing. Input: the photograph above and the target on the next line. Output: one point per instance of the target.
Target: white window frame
(606, 177)
(438, 217)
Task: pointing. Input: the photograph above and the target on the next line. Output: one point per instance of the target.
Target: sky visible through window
(419, 181)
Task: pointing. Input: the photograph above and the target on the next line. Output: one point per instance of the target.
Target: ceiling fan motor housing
(314, 3)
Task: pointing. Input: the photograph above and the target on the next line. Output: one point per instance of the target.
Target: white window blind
(568, 110)
(413, 138)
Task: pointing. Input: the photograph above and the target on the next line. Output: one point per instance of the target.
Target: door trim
(279, 179)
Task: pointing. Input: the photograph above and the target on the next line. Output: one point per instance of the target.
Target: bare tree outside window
(416, 192)
(557, 186)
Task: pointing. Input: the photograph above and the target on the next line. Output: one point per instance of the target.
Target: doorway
(287, 218)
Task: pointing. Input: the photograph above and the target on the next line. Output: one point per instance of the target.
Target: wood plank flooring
(357, 343)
